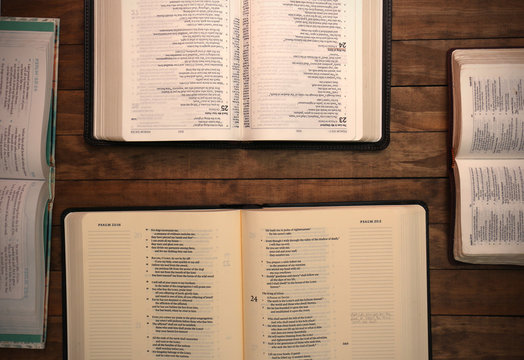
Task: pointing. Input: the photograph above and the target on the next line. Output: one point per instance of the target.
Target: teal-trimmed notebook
(28, 95)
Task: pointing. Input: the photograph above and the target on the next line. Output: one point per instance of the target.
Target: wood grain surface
(477, 311)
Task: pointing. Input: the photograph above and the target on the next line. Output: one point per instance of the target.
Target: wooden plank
(423, 62)
(84, 193)
(477, 292)
(55, 293)
(56, 248)
(70, 13)
(70, 112)
(458, 19)
(426, 157)
(71, 67)
(472, 337)
(449, 20)
(414, 63)
(419, 109)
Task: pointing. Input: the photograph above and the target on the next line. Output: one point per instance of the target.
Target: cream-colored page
(162, 285)
(492, 105)
(334, 283)
(302, 61)
(181, 70)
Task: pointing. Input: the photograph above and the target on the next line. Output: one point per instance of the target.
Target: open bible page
(302, 61)
(25, 91)
(152, 285)
(181, 70)
(490, 200)
(335, 283)
(22, 268)
(491, 124)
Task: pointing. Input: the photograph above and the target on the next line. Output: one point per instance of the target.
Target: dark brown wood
(477, 310)
(70, 13)
(71, 67)
(423, 62)
(88, 162)
(414, 63)
(419, 109)
(70, 117)
(477, 337)
(457, 19)
(477, 292)
(84, 193)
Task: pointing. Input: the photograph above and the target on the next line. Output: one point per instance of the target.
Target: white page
(181, 78)
(492, 105)
(491, 212)
(303, 73)
(22, 207)
(24, 110)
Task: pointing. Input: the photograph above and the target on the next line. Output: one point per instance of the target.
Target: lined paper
(372, 293)
(109, 318)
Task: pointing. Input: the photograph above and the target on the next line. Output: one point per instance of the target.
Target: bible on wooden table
(488, 154)
(313, 282)
(239, 71)
(28, 89)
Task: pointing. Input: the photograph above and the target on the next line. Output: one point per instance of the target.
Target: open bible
(317, 282)
(237, 72)
(488, 154)
(28, 75)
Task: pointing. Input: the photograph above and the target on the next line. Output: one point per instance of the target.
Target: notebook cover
(41, 24)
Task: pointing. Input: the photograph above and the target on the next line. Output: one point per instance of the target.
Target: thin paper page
(162, 284)
(22, 256)
(302, 70)
(492, 100)
(491, 215)
(181, 79)
(24, 110)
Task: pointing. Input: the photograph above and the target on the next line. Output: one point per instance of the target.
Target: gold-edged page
(181, 70)
(457, 106)
(155, 284)
(304, 70)
(492, 111)
(335, 283)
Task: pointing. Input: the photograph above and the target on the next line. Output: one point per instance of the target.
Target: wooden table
(476, 311)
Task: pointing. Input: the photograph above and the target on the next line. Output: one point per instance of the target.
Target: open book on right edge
(303, 282)
(488, 154)
(246, 73)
